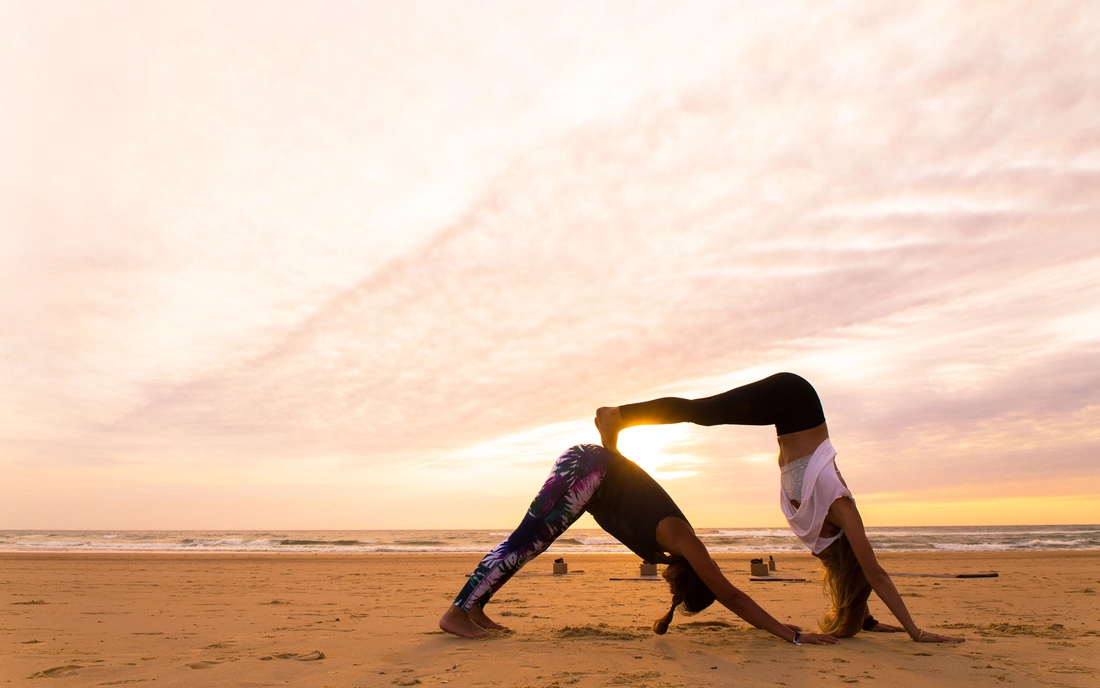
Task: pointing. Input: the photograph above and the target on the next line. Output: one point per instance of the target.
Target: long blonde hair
(846, 587)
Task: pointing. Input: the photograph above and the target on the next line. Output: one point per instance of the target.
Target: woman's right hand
(818, 639)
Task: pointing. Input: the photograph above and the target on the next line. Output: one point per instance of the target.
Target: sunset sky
(374, 265)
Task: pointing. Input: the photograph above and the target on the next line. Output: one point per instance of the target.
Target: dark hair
(847, 588)
(689, 593)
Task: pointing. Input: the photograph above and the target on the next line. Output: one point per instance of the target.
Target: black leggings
(784, 400)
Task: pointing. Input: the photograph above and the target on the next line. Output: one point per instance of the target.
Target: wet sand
(370, 620)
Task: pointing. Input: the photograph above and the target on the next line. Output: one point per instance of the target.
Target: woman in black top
(633, 508)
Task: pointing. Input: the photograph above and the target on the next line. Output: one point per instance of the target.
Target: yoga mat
(987, 574)
(780, 577)
(646, 578)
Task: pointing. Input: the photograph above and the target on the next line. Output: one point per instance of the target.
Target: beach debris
(31, 602)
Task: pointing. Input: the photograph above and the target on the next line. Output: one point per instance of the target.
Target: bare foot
(609, 422)
(457, 622)
(477, 615)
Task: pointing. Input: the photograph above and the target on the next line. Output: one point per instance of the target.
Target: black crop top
(629, 504)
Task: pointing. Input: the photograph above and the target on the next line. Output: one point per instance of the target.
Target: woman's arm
(678, 538)
(844, 514)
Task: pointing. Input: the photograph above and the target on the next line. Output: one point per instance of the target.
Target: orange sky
(342, 265)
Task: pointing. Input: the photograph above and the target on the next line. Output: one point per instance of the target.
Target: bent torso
(794, 446)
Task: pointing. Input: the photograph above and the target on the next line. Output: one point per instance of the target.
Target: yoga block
(760, 569)
(561, 567)
(649, 570)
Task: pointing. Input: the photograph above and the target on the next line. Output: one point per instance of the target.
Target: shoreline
(733, 540)
(257, 618)
(545, 557)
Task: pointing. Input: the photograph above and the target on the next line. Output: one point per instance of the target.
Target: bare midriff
(795, 445)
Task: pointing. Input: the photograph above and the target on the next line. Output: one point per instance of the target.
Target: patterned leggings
(572, 482)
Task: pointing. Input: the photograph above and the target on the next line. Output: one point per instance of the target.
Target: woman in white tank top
(813, 496)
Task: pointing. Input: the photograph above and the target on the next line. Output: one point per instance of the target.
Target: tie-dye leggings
(572, 482)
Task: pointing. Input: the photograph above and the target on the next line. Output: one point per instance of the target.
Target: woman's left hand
(935, 638)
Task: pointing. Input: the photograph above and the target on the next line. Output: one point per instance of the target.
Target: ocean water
(749, 540)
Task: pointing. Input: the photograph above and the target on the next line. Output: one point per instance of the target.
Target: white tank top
(820, 488)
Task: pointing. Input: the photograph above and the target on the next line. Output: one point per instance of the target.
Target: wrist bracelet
(797, 635)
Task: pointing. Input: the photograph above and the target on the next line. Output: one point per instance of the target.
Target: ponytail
(660, 626)
(689, 593)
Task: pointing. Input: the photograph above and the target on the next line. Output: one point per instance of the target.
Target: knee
(801, 407)
(595, 454)
(795, 386)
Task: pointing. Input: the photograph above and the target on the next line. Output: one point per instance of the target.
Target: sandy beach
(370, 620)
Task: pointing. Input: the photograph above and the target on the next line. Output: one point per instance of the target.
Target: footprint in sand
(206, 664)
(601, 631)
(301, 657)
(57, 671)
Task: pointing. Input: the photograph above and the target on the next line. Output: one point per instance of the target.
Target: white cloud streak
(366, 242)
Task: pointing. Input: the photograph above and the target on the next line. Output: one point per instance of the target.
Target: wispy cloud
(285, 245)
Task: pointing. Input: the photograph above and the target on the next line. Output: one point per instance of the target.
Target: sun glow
(655, 448)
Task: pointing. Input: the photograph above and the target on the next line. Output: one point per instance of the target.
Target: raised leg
(785, 400)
